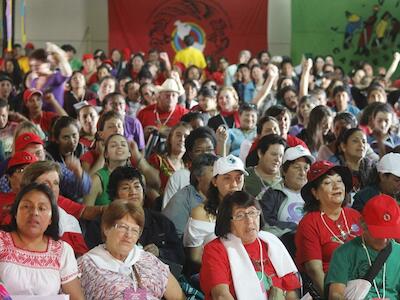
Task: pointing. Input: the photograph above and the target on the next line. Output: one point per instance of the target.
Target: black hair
(39, 54)
(200, 133)
(268, 140)
(207, 92)
(191, 83)
(317, 115)
(3, 103)
(239, 199)
(276, 111)
(384, 108)
(339, 89)
(367, 112)
(120, 174)
(52, 230)
(198, 164)
(145, 73)
(344, 137)
(242, 66)
(62, 122)
(286, 89)
(68, 48)
(247, 107)
(347, 117)
(193, 115)
(188, 40)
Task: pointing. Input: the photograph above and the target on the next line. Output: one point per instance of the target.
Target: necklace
(158, 121)
(344, 234)
(383, 275)
(261, 261)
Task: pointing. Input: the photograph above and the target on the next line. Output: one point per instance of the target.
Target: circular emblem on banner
(183, 29)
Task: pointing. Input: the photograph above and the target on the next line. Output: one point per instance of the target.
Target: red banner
(220, 28)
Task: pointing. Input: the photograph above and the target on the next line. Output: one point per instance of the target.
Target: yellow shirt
(191, 56)
(24, 64)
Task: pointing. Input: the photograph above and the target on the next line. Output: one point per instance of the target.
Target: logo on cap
(387, 217)
(27, 138)
(232, 160)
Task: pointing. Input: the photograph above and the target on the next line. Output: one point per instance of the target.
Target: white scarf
(244, 276)
(104, 260)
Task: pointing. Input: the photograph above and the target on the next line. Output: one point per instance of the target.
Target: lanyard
(383, 275)
(342, 232)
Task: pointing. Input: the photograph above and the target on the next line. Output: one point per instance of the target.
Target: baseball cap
(25, 139)
(382, 216)
(87, 56)
(319, 169)
(29, 45)
(227, 164)
(21, 158)
(294, 153)
(389, 163)
(4, 77)
(29, 93)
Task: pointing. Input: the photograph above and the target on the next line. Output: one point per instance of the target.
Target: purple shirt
(55, 84)
(133, 130)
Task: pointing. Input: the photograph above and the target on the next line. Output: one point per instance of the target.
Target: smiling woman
(243, 261)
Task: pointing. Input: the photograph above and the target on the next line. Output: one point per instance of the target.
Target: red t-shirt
(45, 120)
(148, 116)
(6, 201)
(89, 157)
(315, 241)
(215, 268)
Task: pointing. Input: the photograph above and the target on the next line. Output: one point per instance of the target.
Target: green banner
(349, 30)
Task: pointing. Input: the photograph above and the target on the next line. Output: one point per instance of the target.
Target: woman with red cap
(327, 223)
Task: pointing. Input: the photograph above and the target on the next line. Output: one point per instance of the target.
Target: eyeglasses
(125, 229)
(242, 215)
(42, 209)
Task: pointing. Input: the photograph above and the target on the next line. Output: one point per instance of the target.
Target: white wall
(84, 24)
(81, 23)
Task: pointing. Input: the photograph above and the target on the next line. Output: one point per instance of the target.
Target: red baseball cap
(382, 216)
(21, 158)
(29, 45)
(25, 139)
(87, 56)
(319, 169)
(29, 93)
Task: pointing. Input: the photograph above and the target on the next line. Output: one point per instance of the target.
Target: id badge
(138, 294)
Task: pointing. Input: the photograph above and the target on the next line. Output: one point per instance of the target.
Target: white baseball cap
(227, 164)
(294, 153)
(389, 163)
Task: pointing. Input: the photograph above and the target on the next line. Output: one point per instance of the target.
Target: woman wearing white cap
(228, 176)
(282, 206)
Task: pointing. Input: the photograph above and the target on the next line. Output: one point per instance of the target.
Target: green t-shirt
(350, 262)
(256, 186)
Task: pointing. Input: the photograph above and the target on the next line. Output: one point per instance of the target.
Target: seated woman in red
(327, 223)
(244, 262)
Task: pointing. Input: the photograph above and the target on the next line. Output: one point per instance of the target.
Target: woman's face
(102, 72)
(88, 118)
(193, 74)
(132, 190)
(305, 109)
(319, 64)
(117, 149)
(107, 87)
(228, 183)
(52, 180)
(330, 192)
(270, 127)
(177, 140)
(376, 96)
(256, 73)
(339, 126)
(356, 145)
(226, 101)
(33, 214)
(68, 139)
(207, 103)
(245, 223)
(122, 237)
(116, 56)
(137, 63)
(284, 123)
(382, 122)
(248, 120)
(326, 125)
(9, 66)
(78, 81)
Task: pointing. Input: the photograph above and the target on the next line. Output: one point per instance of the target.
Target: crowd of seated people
(137, 176)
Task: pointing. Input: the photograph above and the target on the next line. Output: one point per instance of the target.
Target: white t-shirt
(292, 209)
(25, 272)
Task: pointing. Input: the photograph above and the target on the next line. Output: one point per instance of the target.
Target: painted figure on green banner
(366, 33)
(354, 23)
